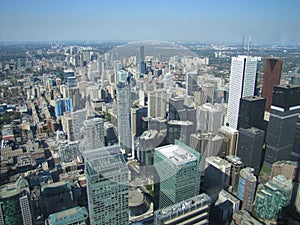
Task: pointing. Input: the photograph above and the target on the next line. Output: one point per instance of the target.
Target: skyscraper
(157, 103)
(246, 188)
(281, 130)
(63, 105)
(250, 147)
(217, 175)
(124, 111)
(209, 118)
(242, 84)
(94, 133)
(178, 168)
(272, 74)
(107, 186)
(251, 113)
(141, 60)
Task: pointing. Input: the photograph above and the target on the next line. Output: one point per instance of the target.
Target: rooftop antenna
(249, 43)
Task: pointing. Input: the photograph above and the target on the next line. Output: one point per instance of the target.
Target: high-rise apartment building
(242, 84)
(124, 111)
(178, 168)
(94, 133)
(246, 188)
(272, 74)
(281, 130)
(107, 186)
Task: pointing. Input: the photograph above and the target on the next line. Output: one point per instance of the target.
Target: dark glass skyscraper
(282, 124)
(251, 113)
(272, 74)
(250, 146)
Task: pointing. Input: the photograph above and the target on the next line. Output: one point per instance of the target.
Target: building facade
(246, 188)
(107, 186)
(178, 168)
(272, 74)
(242, 84)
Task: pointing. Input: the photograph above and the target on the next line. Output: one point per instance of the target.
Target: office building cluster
(131, 137)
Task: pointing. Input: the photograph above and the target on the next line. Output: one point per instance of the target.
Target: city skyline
(217, 21)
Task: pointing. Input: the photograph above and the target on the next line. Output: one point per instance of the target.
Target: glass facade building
(107, 186)
(178, 168)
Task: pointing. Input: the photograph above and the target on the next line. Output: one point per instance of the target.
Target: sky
(267, 21)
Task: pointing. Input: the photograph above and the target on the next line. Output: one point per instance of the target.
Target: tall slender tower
(242, 84)
(124, 112)
(272, 74)
(141, 60)
(107, 186)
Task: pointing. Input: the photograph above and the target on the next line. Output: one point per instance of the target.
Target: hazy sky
(200, 20)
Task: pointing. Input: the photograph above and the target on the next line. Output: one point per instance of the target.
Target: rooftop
(69, 216)
(177, 154)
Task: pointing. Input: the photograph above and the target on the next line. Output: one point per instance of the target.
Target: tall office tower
(246, 188)
(236, 166)
(242, 84)
(282, 124)
(94, 133)
(296, 143)
(272, 197)
(178, 168)
(180, 130)
(209, 118)
(178, 110)
(250, 147)
(191, 83)
(99, 64)
(15, 203)
(229, 146)
(139, 124)
(71, 82)
(63, 105)
(251, 113)
(157, 103)
(107, 186)
(272, 74)
(74, 95)
(209, 90)
(124, 112)
(141, 61)
(217, 176)
(194, 210)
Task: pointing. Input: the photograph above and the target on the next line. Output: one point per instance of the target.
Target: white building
(242, 84)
